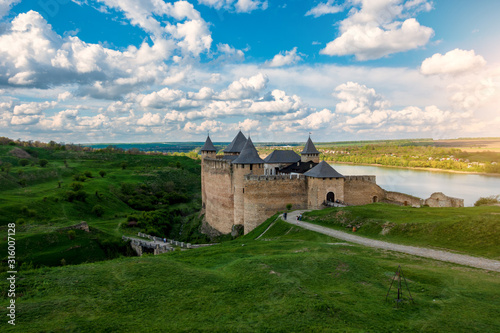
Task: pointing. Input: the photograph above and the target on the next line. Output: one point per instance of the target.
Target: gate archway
(330, 197)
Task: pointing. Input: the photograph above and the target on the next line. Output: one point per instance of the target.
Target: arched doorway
(375, 199)
(330, 197)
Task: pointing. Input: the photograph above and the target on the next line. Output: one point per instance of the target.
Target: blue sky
(130, 71)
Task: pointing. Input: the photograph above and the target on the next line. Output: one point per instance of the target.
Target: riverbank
(415, 168)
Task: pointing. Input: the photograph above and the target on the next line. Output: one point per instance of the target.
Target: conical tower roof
(310, 148)
(237, 144)
(249, 155)
(208, 146)
(323, 170)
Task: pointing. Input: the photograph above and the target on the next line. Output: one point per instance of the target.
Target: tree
(98, 210)
(88, 174)
(102, 173)
(288, 206)
(24, 162)
(6, 167)
(124, 165)
(43, 163)
(77, 186)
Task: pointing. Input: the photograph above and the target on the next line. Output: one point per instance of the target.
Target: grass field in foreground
(468, 230)
(290, 280)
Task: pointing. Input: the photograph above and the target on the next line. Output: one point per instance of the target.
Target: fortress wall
(318, 188)
(403, 199)
(438, 199)
(361, 192)
(264, 196)
(371, 179)
(219, 201)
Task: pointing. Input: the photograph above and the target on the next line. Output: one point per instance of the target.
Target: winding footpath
(477, 262)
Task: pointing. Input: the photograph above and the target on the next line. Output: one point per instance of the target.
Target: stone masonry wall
(403, 199)
(318, 189)
(264, 196)
(239, 173)
(361, 192)
(219, 201)
(438, 199)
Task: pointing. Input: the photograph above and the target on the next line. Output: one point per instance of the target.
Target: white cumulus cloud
(453, 62)
(287, 58)
(380, 28)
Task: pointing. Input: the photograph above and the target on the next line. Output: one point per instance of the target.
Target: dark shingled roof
(310, 148)
(249, 155)
(209, 146)
(323, 170)
(298, 167)
(237, 144)
(282, 156)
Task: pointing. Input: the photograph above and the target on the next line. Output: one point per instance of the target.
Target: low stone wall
(403, 199)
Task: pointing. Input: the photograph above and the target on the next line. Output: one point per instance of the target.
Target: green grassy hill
(469, 230)
(107, 189)
(290, 280)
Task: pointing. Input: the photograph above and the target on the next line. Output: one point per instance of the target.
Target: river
(422, 183)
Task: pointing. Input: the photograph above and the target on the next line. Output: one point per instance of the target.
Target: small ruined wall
(438, 199)
(362, 190)
(265, 195)
(403, 199)
(318, 188)
(219, 202)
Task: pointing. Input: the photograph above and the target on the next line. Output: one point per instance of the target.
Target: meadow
(289, 280)
(470, 230)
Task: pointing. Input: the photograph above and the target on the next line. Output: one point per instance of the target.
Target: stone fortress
(240, 189)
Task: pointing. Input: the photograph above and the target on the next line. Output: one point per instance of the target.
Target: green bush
(79, 177)
(487, 201)
(124, 165)
(102, 173)
(43, 163)
(88, 174)
(24, 162)
(98, 210)
(76, 186)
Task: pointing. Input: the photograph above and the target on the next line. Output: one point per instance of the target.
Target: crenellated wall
(362, 190)
(219, 200)
(265, 195)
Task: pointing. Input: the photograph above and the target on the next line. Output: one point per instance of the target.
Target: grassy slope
(470, 230)
(299, 282)
(38, 237)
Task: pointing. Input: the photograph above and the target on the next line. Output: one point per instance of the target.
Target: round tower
(248, 162)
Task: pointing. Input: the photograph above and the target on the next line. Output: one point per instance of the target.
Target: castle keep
(239, 188)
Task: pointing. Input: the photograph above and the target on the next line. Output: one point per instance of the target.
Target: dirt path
(488, 264)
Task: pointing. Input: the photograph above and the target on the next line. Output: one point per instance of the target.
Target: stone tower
(310, 153)
(207, 151)
(248, 162)
(236, 146)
